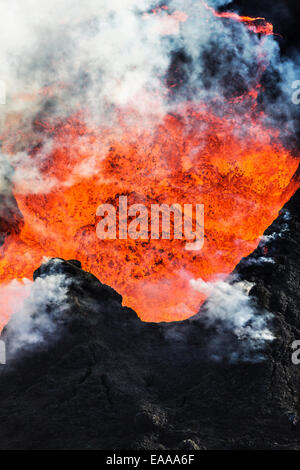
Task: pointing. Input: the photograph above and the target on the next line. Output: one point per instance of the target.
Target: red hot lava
(192, 156)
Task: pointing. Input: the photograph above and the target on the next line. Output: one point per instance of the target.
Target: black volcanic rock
(103, 379)
(11, 219)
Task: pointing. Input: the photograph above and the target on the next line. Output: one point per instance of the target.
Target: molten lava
(233, 164)
(193, 157)
(258, 25)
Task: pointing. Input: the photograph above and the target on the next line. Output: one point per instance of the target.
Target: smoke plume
(230, 310)
(37, 309)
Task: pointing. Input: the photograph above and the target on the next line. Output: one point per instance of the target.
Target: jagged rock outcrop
(103, 379)
(11, 219)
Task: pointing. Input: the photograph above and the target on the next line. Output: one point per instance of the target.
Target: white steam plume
(230, 310)
(32, 321)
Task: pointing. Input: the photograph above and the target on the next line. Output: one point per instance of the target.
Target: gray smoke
(36, 318)
(230, 311)
(96, 57)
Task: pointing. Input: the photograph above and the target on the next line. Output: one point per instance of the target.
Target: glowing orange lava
(232, 163)
(193, 157)
(258, 25)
